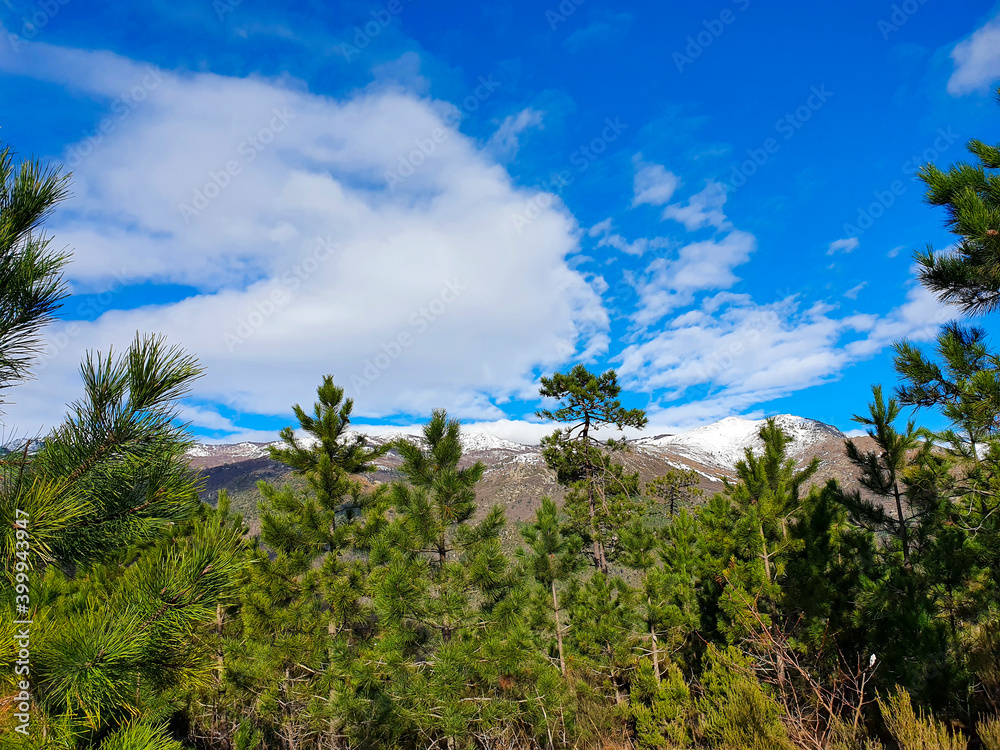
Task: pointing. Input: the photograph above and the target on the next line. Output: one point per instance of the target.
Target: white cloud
(672, 282)
(852, 293)
(505, 142)
(729, 353)
(847, 245)
(434, 260)
(744, 349)
(702, 209)
(919, 318)
(896, 251)
(977, 60)
(604, 230)
(653, 183)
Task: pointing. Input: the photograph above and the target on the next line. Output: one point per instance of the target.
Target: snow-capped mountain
(517, 477)
(723, 443)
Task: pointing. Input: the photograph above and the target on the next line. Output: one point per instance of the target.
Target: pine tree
(453, 660)
(964, 387)
(884, 474)
(969, 276)
(551, 558)
(88, 515)
(677, 487)
(590, 402)
(748, 527)
(305, 602)
(959, 491)
(117, 598)
(669, 560)
(31, 282)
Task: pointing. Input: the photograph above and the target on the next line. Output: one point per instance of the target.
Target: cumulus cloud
(365, 237)
(977, 60)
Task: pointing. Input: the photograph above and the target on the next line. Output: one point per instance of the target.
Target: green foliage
(736, 712)
(913, 730)
(139, 736)
(747, 530)
(31, 282)
(551, 558)
(602, 494)
(677, 488)
(454, 659)
(883, 473)
(661, 707)
(968, 276)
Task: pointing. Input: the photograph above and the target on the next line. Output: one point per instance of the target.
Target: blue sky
(440, 202)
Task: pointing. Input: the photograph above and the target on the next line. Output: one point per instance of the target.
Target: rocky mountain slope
(517, 478)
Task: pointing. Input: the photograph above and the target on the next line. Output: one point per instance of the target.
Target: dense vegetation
(389, 616)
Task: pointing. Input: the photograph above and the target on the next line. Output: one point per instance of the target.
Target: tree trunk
(903, 536)
(656, 653)
(559, 639)
(600, 562)
(767, 558)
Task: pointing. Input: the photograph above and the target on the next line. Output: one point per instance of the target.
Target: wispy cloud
(610, 30)
(701, 209)
(977, 60)
(672, 283)
(853, 292)
(847, 245)
(505, 141)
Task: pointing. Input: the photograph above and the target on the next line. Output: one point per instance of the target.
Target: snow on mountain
(723, 443)
(235, 451)
(720, 444)
(482, 441)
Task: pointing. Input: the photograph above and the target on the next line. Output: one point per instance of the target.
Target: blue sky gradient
(440, 202)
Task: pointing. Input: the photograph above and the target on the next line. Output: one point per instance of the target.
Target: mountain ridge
(516, 476)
